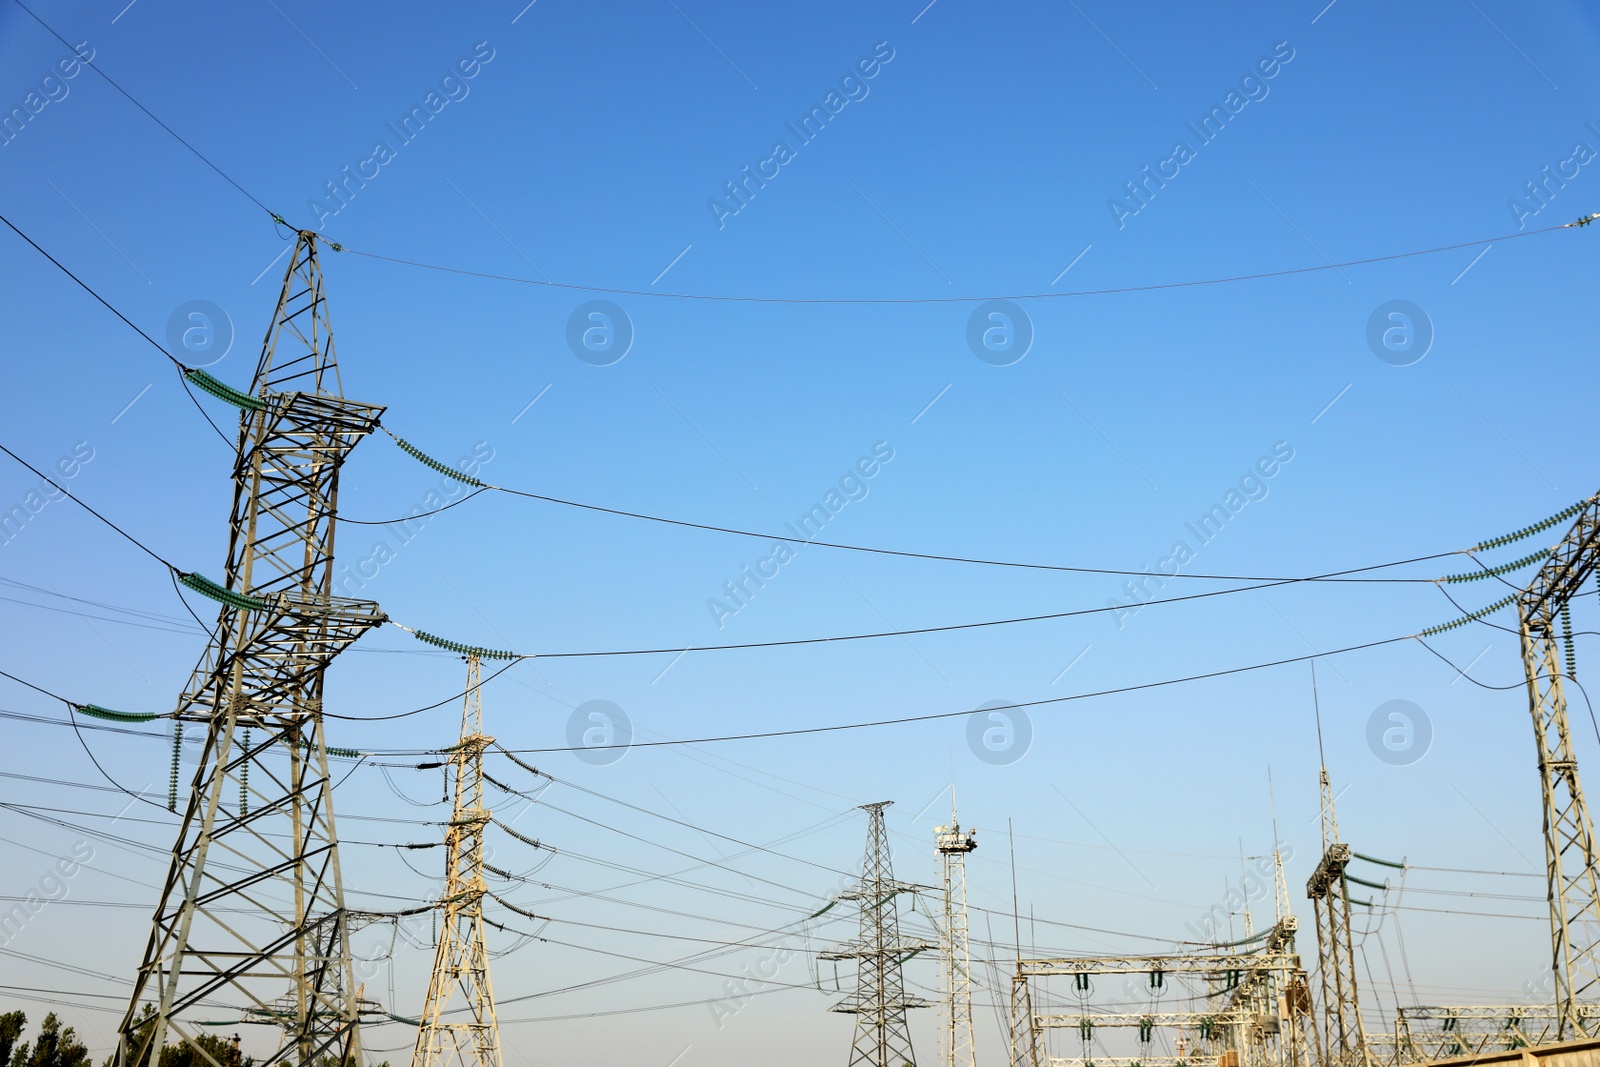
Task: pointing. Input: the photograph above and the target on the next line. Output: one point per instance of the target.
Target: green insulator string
(428, 461)
(1381, 863)
(207, 588)
(1566, 640)
(114, 716)
(347, 753)
(458, 647)
(1465, 619)
(1495, 572)
(1529, 531)
(222, 391)
(177, 748)
(244, 777)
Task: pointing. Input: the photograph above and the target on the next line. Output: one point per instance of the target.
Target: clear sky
(990, 152)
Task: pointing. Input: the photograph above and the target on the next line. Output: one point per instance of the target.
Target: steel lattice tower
(956, 1026)
(880, 1001)
(462, 962)
(252, 907)
(1344, 1036)
(1569, 845)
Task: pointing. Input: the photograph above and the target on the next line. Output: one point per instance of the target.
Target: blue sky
(986, 157)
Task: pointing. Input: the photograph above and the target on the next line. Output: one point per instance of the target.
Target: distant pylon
(1572, 857)
(252, 909)
(1344, 1034)
(462, 962)
(956, 1025)
(879, 1002)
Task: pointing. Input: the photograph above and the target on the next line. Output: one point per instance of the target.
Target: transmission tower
(462, 962)
(1569, 845)
(953, 845)
(879, 1002)
(1344, 1036)
(252, 907)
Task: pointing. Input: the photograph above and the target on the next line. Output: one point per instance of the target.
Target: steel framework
(462, 962)
(879, 1002)
(252, 907)
(1569, 843)
(1261, 1024)
(953, 844)
(1344, 1038)
(1425, 1032)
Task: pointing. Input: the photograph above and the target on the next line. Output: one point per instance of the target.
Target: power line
(140, 545)
(799, 731)
(678, 650)
(958, 299)
(197, 153)
(481, 487)
(86, 287)
(666, 818)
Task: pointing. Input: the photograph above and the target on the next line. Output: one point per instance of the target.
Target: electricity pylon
(1569, 845)
(462, 962)
(953, 845)
(879, 1002)
(1344, 1036)
(252, 908)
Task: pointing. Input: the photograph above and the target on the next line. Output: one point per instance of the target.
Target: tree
(11, 1027)
(54, 1047)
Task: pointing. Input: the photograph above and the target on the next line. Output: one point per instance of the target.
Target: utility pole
(1569, 845)
(253, 899)
(462, 962)
(953, 845)
(879, 1002)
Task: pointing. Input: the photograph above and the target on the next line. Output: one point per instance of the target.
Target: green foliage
(55, 1046)
(182, 1054)
(185, 1055)
(11, 1027)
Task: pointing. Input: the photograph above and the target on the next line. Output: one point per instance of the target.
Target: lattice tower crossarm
(953, 844)
(460, 984)
(880, 1002)
(252, 907)
(1570, 857)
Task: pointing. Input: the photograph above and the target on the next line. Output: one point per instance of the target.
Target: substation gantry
(1261, 1011)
